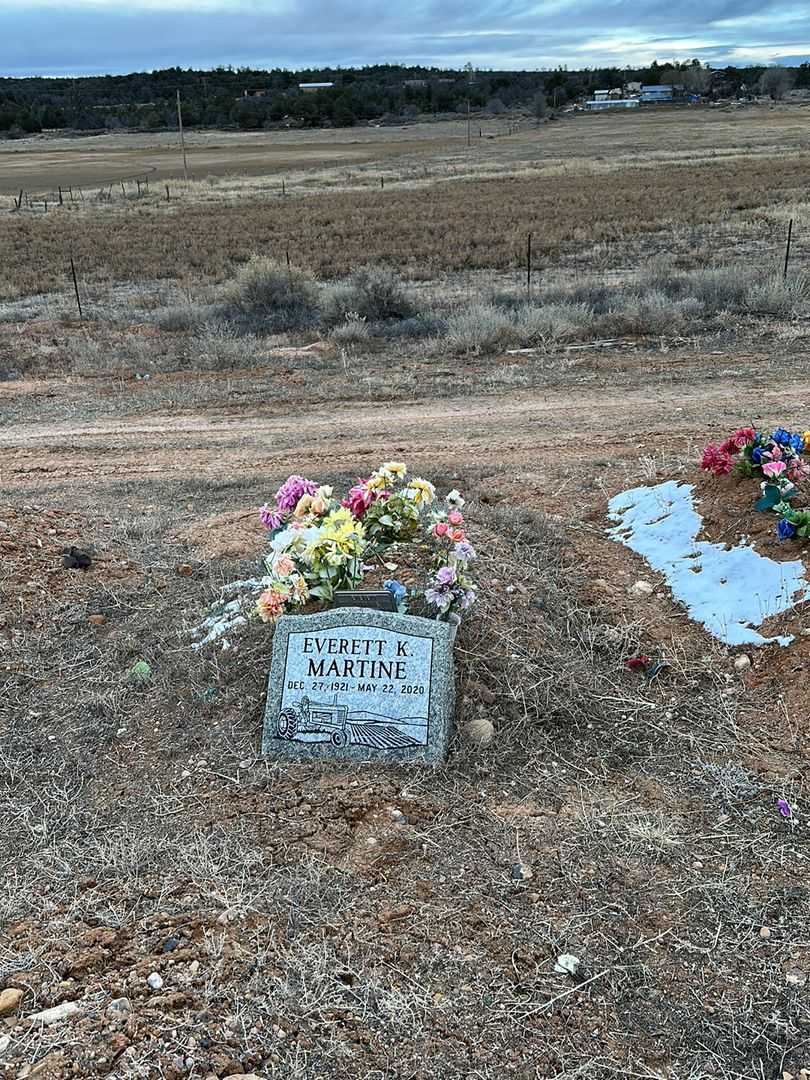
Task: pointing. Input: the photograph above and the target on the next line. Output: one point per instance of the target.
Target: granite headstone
(360, 684)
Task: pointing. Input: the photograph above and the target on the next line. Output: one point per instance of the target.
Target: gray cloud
(84, 37)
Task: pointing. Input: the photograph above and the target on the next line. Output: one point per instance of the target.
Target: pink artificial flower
(359, 499)
(283, 566)
(270, 606)
(744, 436)
(441, 528)
(455, 517)
(775, 452)
(797, 470)
(716, 460)
(774, 468)
(457, 535)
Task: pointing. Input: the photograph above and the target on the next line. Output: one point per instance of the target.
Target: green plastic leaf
(771, 495)
(140, 672)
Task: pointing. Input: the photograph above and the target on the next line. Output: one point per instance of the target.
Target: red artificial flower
(716, 460)
(637, 663)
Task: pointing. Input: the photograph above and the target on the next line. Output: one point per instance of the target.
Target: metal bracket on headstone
(378, 600)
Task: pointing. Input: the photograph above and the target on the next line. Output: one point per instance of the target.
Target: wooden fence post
(76, 287)
(787, 249)
(529, 267)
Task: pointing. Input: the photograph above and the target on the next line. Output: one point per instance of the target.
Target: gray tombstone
(360, 684)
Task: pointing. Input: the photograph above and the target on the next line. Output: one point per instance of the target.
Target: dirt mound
(199, 911)
(237, 534)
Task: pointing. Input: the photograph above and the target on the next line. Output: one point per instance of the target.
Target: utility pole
(470, 76)
(182, 138)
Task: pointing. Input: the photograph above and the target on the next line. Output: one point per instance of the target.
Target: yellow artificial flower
(420, 492)
(376, 482)
(806, 437)
(393, 470)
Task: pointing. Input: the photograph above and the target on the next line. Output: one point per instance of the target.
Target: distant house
(611, 103)
(632, 88)
(415, 84)
(314, 87)
(653, 94)
(600, 95)
(255, 93)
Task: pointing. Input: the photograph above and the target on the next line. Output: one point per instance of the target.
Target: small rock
(521, 872)
(742, 663)
(796, 978)
(479, 731)
(567, 964)
(170, 944)
(57, 1013)
(765, 932)
(5, 1043)
(120, 1005)
(97, 620)
(243, 1076)
(76, 559)
(155, 981)
(641, 588)
(184, 569)
(10, 1001)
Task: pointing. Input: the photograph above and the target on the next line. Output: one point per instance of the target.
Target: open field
(366, 922)
(42, 163)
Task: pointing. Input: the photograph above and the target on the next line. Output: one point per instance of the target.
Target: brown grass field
(355, 921)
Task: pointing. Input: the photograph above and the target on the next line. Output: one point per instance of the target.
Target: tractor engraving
(314, 718)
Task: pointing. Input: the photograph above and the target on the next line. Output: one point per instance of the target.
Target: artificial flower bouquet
(320, 544)
(777, 457)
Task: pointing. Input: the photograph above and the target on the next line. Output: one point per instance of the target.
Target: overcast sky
(54, 37)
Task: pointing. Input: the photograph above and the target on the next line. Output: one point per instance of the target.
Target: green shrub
(480, 328)
(354, 331)
(270, 296)
(375, 293)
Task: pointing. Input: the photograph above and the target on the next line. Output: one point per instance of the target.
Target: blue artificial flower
(785, 530)
(397, 589)
(797, 443)
(756, 455)
(781, 436)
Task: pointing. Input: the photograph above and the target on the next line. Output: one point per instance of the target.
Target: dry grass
(450, 226)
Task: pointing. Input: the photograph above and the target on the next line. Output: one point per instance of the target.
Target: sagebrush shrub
(273, 296)
(375, 293)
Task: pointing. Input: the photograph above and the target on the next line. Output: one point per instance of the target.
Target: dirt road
(542, 432)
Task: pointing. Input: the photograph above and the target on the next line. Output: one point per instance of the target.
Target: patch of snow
(729, 590)
(226, 615)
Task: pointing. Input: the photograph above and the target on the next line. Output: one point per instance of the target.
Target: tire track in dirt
(485, 432)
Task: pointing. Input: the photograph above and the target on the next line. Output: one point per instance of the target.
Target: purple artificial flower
(291, 491)
(784, 808)
(270, 517)
(468, 599)
(445, 577)
(464, 551)
(436, 597)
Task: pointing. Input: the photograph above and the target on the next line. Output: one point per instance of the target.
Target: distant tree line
(253, 99)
